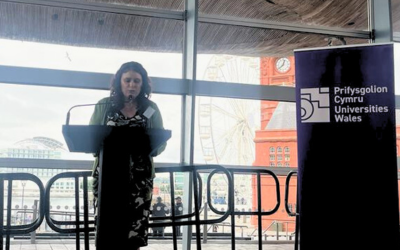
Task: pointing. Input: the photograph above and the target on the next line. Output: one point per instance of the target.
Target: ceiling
(223, 24)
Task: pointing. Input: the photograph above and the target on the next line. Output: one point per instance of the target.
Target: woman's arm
(99, 112)
(156, 121)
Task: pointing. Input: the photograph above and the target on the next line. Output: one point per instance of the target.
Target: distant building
(36, 147)
(276, 142)
(26, 193)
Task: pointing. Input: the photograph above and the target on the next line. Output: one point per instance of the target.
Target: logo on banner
(315, 105)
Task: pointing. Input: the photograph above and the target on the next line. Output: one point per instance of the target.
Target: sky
(29, 111)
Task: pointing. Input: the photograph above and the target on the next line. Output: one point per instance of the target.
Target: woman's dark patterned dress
(140, 183)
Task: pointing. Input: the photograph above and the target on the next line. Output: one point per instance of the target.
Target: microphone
(82, 105)
(130, 99)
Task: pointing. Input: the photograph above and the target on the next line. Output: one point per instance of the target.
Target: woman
(129, 105)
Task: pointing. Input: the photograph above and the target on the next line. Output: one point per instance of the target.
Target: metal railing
(185, 219)
(227, 224)
(277, 235)
(8, 229)
(258, 171)
(82, 225)
(291, 213)
(79, 226)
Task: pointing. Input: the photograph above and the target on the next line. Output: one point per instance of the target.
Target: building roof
(278, 26)
(284, 117)
(40, 143)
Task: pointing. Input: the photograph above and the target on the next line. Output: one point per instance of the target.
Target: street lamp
(23, 182)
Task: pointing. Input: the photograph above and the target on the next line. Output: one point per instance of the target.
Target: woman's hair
(116, 95)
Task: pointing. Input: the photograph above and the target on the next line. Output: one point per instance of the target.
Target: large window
(244, 110)
(33, 117)
(53, 56)
(225, 130)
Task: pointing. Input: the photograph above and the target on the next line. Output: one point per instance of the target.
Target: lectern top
(89, 138)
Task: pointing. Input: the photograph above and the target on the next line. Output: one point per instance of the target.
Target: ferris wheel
(227, 126)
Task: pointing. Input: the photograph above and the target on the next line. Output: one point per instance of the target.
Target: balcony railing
(81, 224)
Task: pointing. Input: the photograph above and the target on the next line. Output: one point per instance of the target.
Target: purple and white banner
(347, 163)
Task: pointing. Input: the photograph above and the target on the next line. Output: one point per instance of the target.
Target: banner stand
(347, 163)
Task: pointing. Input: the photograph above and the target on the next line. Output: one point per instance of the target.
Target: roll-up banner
(347, 169)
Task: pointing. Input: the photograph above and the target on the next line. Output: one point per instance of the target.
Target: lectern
(114, 146)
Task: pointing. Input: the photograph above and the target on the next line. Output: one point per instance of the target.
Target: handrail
(224, 224)
(265, 230)
(258, 171)
(77, 229)
(270, 225)
(194, 169)
(9, 229)
(85, 226)
(197, 186)
(297, 226)
(170, 171)
(275, 222)
(289, 176)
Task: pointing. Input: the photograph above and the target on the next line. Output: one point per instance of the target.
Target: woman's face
(131, 84)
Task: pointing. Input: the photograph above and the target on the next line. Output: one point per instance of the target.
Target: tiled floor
(156, 245)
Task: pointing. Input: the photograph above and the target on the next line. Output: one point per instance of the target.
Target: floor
(153, 245)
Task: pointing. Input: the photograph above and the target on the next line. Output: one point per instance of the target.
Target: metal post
(205, 225)
(380, 20)
(34, 216)
(23, 182)
(188, 110)
(287, 230)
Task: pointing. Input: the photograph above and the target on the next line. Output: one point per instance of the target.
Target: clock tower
(276, 145)
(278, 71)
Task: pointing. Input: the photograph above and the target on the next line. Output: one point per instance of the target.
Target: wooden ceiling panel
(102, 29)
(89, 28)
